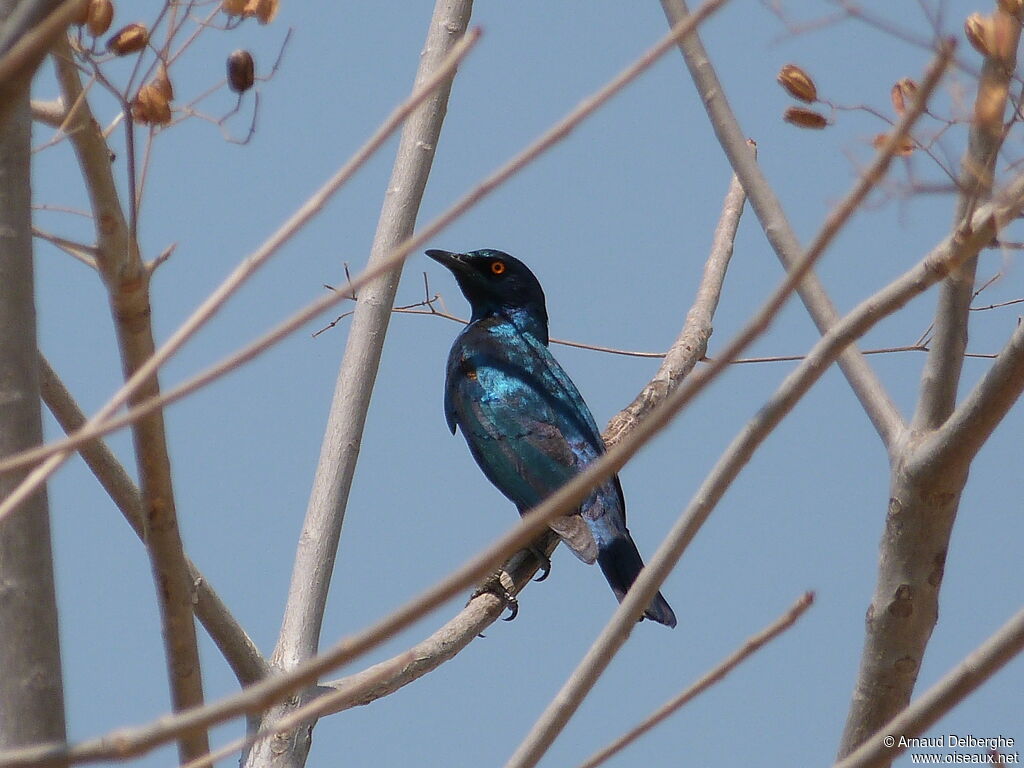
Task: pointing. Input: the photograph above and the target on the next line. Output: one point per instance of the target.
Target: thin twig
(716, 675)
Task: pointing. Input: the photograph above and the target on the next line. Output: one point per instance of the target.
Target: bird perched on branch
(524, 420)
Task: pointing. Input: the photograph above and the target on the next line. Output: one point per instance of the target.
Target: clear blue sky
(616, 222)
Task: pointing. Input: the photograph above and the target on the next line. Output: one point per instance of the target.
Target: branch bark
(321, 530)
(927, 479)
(31, 689)
(234, 643)
(692, 343)
(127, 282)
(866, 386)
(941, 375)
(959, 683)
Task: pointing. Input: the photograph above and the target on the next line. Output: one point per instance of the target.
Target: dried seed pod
(1012, 7)
(902, 93)
(805, 118)
(797, 83)
(263, 10)
(129, 39)
(904, 148)
(241, 71)
(83, 15)
(150, 106)
(100, 15)
(980, 33)
(162, 82)
(233, 7)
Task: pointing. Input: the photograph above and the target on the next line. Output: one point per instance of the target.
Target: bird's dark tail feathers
(620, 560)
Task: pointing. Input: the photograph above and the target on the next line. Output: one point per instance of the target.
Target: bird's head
(495, 283)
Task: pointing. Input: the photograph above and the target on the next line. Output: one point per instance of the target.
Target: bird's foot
(543, 559)
(500, 584)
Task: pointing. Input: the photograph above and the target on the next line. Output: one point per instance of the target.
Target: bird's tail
(621, 563)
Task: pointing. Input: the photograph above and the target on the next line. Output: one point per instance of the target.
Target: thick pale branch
(868, 389)
(234, 643)
(957, 685)
(941, 375)
(31, 686)
(325, 514)
(972, 423)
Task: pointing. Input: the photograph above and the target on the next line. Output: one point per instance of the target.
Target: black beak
(453, 261)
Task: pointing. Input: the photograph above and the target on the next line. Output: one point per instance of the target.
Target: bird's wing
(524, 420)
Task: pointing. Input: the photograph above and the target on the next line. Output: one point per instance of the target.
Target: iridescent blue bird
(524, 420)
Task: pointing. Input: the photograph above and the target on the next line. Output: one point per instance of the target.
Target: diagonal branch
(692, 344)
(325, 514)
(868, 389)
(234, 643)
(941, 375)
(127, 282)
(959, 683)
(716, 675)
(960, 438)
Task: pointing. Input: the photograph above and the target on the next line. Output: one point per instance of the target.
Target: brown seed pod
(904, 148)
(241, 71)
(233, 7)
(902, 93)
(263, 10)
(797, 83)
(99, 17)
(1012, 7)
(162, 82)
(150, 106)
(129, 39)
(805, 118)
(83, 15)
(980, 33)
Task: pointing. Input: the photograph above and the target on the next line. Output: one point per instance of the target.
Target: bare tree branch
(325, 514)
(234, 643)
(869, 390)
(127, 282)
(716, 675)
(31, 689)
(960, 438)
(959, 683)
(692, 344)
(924, 494)
(941, 375)
(31, 29)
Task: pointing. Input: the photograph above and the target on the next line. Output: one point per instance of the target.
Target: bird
(525, 422)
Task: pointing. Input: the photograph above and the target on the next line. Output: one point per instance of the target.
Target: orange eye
(497, 267)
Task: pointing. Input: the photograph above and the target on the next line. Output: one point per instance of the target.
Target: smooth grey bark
(31, 690)
(325, 514)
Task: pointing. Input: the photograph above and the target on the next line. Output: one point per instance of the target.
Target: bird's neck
(525, 319)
